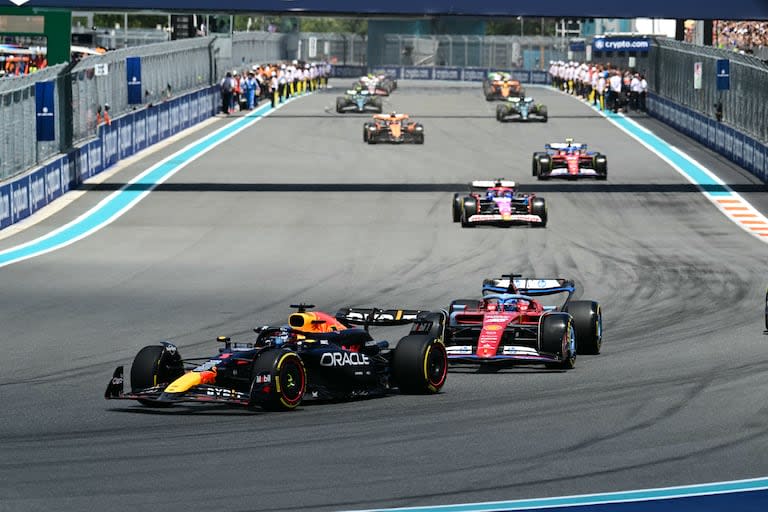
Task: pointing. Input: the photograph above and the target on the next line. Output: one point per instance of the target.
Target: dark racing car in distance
(393, 128)
(510, 325)
(521, 109)
(569, 160)
(498, 203)
(316, 356)
(358, 100)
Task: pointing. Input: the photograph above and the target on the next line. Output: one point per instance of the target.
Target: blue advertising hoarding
(133, 75)
(621, 44)
(723, 74)
(45, 110)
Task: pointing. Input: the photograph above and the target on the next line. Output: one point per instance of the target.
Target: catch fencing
(168, 70)
(670, 76)
(341, 49)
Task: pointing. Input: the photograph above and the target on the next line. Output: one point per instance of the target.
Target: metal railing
(168, 69)
(745, 106)
(19, 149)
(342, 49)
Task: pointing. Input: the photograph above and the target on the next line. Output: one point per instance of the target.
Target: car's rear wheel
(339, 105)
(278, 380)
(601, 166)
(543, 113)
(588, 325)
(419, 364)
(155, 365)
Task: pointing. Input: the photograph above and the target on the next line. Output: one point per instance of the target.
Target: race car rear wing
(528, 285)
(565, 145)
(484, 184)
(376, 316)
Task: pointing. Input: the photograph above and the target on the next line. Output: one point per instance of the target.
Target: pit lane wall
(743, 150)
(128, 134)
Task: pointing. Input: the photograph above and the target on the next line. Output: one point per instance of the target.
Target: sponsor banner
(52, 173)
(133, 74)
(723, 74)
(348, 71)
(738, 148)
(728, 146)
(183, 108)
(175, 117)
(6, 219)
(111, 145)
(417, 73)
(522, 76)
(163, 121)
(760, 160)
(539, 77)
(45, 110)
(36, 184)
(151, 125)
(139, 130)
(393, 71)
(447, 73)
(69, 167)
(621, 44)
(125, 137)
(19, 200)
(95, 157)
(474, 74)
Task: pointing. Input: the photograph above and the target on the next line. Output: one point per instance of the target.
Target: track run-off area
(295, 207)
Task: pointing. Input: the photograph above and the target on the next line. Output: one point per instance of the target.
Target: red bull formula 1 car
(569, 160)
(510, 325)
(393, 128)
(315, 356)
(498, 203)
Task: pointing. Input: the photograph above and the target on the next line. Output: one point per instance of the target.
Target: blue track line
(119, 202)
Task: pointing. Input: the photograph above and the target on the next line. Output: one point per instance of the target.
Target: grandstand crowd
(275, 82)
(603, 85)
(741, 35)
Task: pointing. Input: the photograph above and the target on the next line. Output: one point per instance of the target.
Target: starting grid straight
(440, 73)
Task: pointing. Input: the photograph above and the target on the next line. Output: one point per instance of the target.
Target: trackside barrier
(24, 195)
(439, 73)
(749, 153)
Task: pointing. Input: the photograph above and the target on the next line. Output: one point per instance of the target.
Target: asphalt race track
(298, 208)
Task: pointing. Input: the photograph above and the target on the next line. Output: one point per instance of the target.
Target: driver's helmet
(508, 193)
(282, 336)
(358, 87)
(510, 305)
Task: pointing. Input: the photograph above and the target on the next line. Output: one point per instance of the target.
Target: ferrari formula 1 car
(358, 100)
(521, 109)
(510, 326)
(569, 160)
(498, 203)
(500, 86)
(393, 128)
(316, 356)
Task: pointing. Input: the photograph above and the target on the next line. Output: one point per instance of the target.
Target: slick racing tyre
(557, 337)
(340, 105)
(469, 208)
(543, 113)
(376, 104)
(456, 207)
(588, 325)
(278, 381)
(600, 163)
(154, 365)
(420, 364)
(500, 113)
(539, 207)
